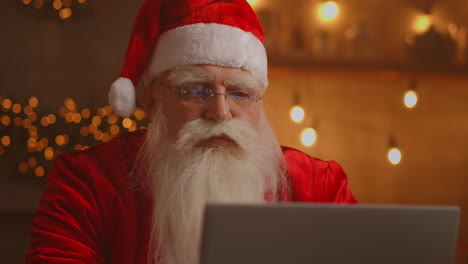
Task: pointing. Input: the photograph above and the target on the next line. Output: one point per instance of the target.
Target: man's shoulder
(313, 179)
(297, 158)
(119, 154)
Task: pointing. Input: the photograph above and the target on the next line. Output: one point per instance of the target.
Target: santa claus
(140, 197)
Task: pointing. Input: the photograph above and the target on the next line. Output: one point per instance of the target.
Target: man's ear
(149, 100)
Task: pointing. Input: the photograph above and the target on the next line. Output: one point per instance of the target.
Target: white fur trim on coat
(213, 44)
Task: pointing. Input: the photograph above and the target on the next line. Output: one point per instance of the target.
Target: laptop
(329, 234)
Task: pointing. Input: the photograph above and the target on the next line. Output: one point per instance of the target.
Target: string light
(65, 13)
(32, 162)
(6, 141)
(92, 129)
(297, 114)
(23, 167)
(84, 131)
(107, 110)
(51, 119)
(114, 130)
(57, 4)
(308, 137)
(394, 156)
(127, 122)
(5, 120)
(33, 102)
(85, 113)
(16, 108)
(17, 121)
(76, 118)
(410, 97)
(139, 114)
(96, 120)
(60, 140)
(422, 23)
(44, 121)
(28, 110)
(39, 171)
(101, 112)
(328, 11)
(49, 153)
(35, 143)
(6, 104)
(98, 135)
(112, 119)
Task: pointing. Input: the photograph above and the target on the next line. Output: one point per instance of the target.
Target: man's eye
(238, 95)
(195, 90)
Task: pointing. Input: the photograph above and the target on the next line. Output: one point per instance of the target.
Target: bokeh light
(127, 122)
(422, 23)
(85, 113)
(49, 153)
(65, 13)
(32, 162)
(410, 98)
(84, 131)
(16, 108)
(328, 11)
(39, 171)
(60, 140)
(6, 141)
(308, 137)
(6, 104)
(23, 167)
(57, 4)
(17, 121)
(297, 114)
(394, 156)
(33, 102)
(5, 120)
(139, 114)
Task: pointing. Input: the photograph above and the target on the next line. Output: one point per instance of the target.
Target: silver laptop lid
(329, 234)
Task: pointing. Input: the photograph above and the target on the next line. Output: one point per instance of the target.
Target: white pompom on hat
(169, 34)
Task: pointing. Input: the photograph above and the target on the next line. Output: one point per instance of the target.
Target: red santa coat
(90, 213)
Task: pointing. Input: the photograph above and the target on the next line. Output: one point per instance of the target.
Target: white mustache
(201, 129)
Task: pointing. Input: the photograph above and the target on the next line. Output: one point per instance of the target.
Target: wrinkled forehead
(228, 76)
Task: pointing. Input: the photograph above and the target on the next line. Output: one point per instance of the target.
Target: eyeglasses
(198, 93)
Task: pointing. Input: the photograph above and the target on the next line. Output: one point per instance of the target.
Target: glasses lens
(195, 93)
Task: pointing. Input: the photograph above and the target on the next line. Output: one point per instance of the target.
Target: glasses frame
(181, 92)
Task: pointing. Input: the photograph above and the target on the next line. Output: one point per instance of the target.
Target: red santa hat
(169, 34)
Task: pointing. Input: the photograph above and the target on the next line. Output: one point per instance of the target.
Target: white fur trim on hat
(122, 97)
(213, 44)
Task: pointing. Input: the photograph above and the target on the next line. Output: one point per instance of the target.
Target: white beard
(184, 176)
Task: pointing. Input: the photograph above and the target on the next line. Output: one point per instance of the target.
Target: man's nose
(217, 108)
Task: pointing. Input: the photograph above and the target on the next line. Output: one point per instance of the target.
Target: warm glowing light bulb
(57, 4)
(127, 122)
(394, 156)
(423, 23)
(297, 113)
(308, 136)
(328, 11)
(410, 98)
(65, 13)
(6, 141)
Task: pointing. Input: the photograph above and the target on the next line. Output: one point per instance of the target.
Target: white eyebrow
(189, 75)
(249, 82)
